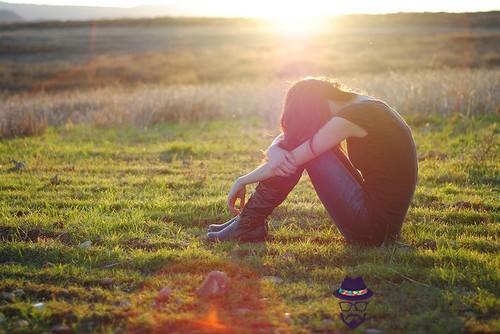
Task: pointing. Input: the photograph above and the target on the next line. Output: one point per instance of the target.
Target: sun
(294, 18)
(298, 25)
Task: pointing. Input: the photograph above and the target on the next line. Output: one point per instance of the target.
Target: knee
(322, 162)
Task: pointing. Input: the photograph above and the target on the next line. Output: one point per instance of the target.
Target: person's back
(387, 160)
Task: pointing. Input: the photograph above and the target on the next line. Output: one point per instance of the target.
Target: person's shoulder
(369, 108)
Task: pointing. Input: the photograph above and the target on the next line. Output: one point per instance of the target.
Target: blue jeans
(339, 187)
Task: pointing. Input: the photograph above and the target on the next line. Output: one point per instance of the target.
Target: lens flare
(211, 321)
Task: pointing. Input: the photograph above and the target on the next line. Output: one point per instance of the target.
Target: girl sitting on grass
(367, 192)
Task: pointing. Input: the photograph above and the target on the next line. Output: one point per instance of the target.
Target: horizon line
(252, 16)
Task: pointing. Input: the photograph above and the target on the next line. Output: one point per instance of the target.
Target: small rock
(61, 329)
(216, 283)
(18, 293)
(106, 282)
(124, 304)
(273, 279)
(429, 244)
(21, 323)
(48, 265)
(328, 322)
(163, 295)
(85, 244)
(243, 311)
(39, 306)
(18, 165)
(8, 296)
(373, 331)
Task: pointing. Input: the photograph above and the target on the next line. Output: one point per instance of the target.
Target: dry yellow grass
(414, 94)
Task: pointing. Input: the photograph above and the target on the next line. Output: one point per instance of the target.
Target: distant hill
(49, 13)
(351, 22)
(7, 16)
(195, 8)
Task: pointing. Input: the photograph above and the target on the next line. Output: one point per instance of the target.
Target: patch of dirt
(428, 244)
(433, 155)
(474, 206)
(9, 233)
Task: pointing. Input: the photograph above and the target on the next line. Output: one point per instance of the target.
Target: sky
(292, 8)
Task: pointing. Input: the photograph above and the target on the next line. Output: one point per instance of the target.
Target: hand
(237, 191)
(282, 161)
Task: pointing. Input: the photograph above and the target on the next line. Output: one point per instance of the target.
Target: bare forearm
(260, 173)
(331, 134)
(302, 153)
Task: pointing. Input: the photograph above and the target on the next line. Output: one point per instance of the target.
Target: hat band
(353, 292)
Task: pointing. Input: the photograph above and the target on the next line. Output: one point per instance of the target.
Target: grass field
(38, 57)
(145, 197)
(119, 141)
(416, 94)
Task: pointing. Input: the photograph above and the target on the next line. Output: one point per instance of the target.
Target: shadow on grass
(414, 290)
(249, 306)
(252, 306)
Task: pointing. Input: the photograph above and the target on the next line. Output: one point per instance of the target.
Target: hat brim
(363, 297)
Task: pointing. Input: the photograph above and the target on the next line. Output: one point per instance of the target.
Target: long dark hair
(306, 109)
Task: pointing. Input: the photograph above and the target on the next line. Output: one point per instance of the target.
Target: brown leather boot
(241, 230)
(251, 225)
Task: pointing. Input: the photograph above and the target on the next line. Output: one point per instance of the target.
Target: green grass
(145, 197)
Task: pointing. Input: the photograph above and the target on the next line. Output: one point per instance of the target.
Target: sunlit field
(38, 57)
(120, 141)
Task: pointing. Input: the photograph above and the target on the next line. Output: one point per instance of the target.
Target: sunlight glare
(298, 25)
(296, 18)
